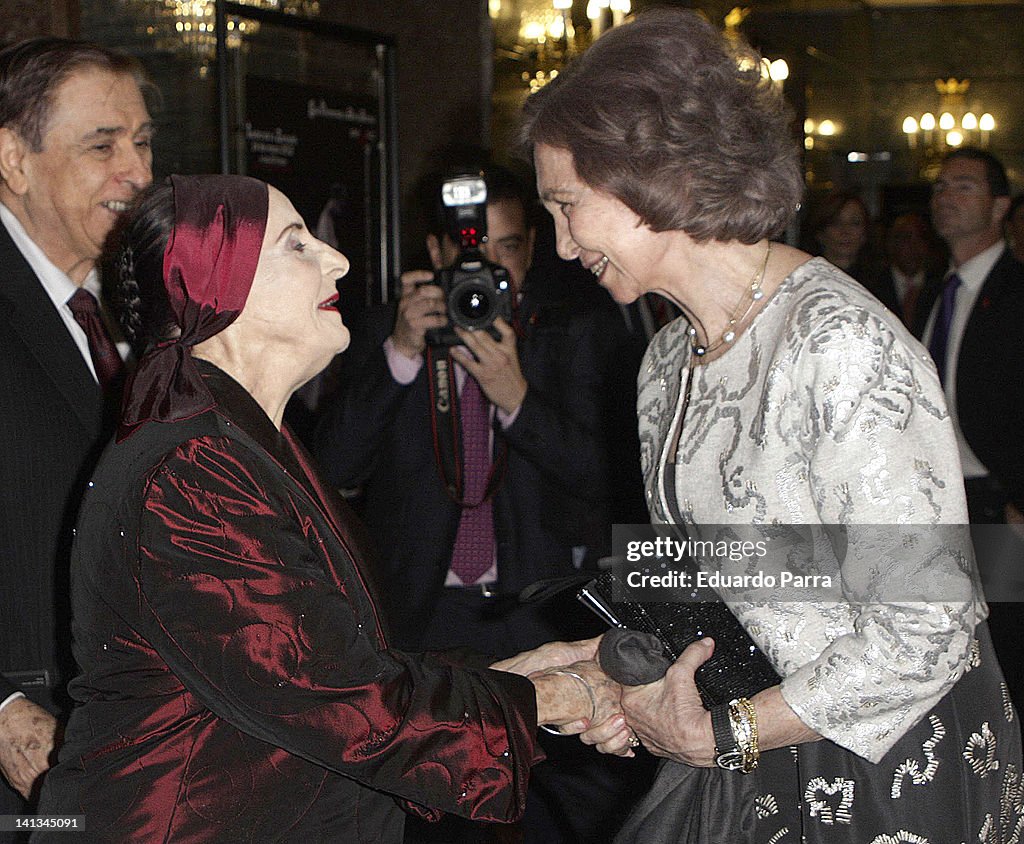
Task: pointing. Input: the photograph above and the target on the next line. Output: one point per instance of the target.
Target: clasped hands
(666, 716)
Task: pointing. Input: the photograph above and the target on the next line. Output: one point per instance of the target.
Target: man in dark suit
(544, 382)
(74, 149)
(910, 265)
(973, 323)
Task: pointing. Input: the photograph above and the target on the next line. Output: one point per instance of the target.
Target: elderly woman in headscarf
(236, 683)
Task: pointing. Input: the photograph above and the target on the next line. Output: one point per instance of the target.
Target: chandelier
(189, 26)
(539, 35)
(777, 70)
(957, 124)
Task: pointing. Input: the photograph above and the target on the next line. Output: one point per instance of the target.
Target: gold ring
(634, 741)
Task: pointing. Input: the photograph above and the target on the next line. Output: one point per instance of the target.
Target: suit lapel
(988, 298)
(26, 307)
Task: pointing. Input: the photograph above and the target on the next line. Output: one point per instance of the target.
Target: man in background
(540, 389)
(1015, 227)
(972, 324)
(910, 264)
(75, 139)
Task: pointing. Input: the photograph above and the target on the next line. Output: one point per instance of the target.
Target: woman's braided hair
(128, 293)
(132, 268)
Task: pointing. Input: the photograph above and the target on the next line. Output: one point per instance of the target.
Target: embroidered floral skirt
(955, 778)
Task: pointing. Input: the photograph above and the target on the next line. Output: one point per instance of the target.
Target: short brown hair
(31, 72)
(662, 114)
(995, 173)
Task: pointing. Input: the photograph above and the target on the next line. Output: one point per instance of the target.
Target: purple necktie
(940, 330)
(105, 359)
(473, 553)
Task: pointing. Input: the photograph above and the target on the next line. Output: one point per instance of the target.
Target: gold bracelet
(743, 719)
(590, 693)
(741, 733)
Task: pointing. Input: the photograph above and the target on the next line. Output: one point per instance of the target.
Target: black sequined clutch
(737, 668)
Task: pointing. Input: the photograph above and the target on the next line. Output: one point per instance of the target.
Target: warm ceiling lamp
(546, 38)
(957, 125)
(776, 70)
(596, 14)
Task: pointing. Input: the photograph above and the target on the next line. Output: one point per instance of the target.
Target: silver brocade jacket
(827, 412)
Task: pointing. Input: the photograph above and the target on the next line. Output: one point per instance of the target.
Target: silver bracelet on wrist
(590, 692)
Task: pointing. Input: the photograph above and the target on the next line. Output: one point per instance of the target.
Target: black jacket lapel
(27, 308)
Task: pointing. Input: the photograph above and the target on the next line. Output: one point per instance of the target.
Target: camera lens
(472, 304)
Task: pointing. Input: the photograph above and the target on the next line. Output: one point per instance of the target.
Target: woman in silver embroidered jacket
(786, 395)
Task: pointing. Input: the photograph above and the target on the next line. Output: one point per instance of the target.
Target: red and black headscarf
(209, 265)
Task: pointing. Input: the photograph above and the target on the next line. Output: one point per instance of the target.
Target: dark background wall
(443, 69)
(27, 18)
(444, 83)
(863, 64)
(868, 67)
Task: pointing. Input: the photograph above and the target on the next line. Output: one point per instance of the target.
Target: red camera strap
(447, 431)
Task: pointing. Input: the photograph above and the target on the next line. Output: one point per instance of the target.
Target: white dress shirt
(972, 276)
(904, 283)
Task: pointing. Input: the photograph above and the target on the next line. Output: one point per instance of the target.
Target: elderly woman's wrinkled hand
(607, 730)
(551, 655)
(606, 701)
(668, 716)
(574, 697)
(28, 735)
(613, 736)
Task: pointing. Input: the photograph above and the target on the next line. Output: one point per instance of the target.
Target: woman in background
(839, 228)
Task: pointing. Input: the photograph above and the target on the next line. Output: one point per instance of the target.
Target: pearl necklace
(729, 335)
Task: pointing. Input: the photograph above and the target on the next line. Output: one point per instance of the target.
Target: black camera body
(476, 290)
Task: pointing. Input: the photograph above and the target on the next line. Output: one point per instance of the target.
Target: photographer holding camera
(476, 285)
(527, 497)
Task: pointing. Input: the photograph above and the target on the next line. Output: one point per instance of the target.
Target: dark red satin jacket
(236, 684)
